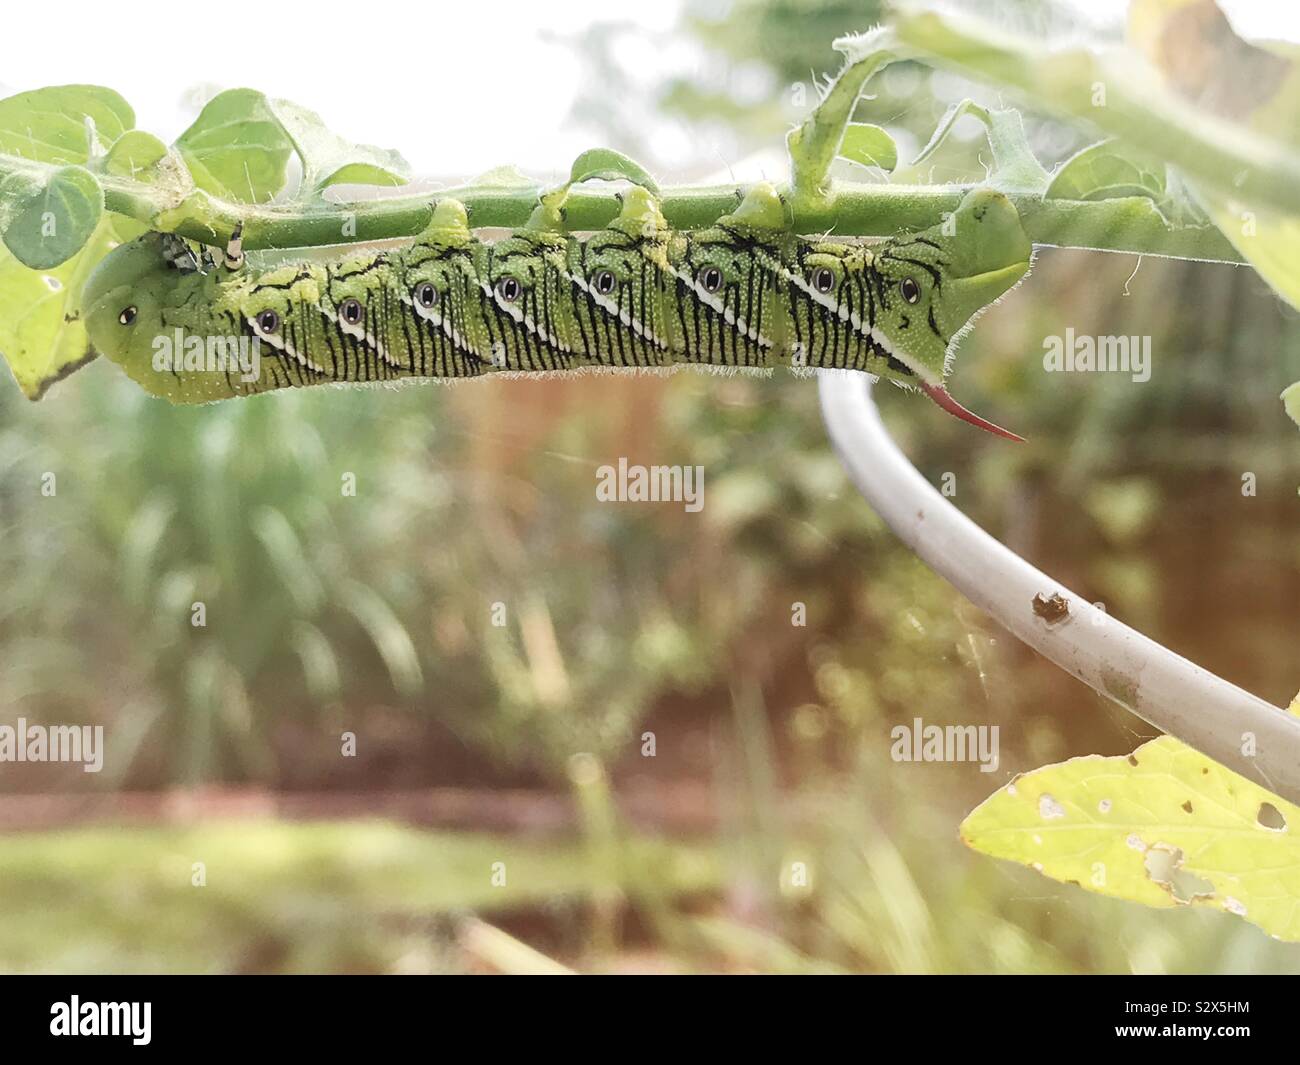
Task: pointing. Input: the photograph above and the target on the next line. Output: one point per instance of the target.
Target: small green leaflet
(1015, 167)
(1107, 171)
(240, 146)
(605, 164)
(63, 124)
(328, 159)
(53, 226)
(136, 155)
(237, 148)
(49, 226)
(869, 145)
(504, 177)
(1102, 172)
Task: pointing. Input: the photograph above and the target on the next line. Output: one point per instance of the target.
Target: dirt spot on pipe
(1052, 609)
(1120, 686)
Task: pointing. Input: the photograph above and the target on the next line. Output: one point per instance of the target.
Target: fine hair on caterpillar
(745, 294)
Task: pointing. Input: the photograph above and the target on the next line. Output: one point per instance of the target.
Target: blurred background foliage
(479, 621)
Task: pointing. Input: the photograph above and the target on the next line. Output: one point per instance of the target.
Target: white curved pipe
(1173, 694)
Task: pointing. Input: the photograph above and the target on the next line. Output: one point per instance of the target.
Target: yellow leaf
(1165, 826)
(42, 337)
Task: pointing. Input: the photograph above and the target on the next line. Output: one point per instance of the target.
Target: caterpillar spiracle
(745, 293)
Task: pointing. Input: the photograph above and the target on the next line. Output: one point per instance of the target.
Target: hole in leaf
(1164, 865)
(1188, 806)
(1271, 817)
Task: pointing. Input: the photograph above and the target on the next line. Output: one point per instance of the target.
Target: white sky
(431, 79)
(457, 88)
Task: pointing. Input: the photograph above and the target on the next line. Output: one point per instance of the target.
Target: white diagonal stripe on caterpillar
(527, 322)
(281, 344)
(358, 332)
(735, 321)
(611, 308)
(871, 332)
(439, 322)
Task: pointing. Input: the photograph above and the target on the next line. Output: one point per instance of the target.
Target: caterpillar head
(186, 329)
(124, 302)
(932, 284)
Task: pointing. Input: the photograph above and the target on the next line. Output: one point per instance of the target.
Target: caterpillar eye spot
(910, 289)
(351, 312)
(426, 295)
(509, 289)
(823, 279)
(127, 316)
(268, 321)
(604, 282)
(710, 279)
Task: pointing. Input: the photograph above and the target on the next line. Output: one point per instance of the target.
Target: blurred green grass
(381, 897)
(286, 897)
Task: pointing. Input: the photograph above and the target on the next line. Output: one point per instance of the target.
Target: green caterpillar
(746, 293)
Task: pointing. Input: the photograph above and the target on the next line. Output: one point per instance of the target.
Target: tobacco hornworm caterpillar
(745, 293)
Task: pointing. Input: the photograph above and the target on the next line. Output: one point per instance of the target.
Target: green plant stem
(1130, 225)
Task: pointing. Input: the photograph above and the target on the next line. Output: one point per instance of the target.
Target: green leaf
(504, 177)
(50, 226)
(1103, 172)
(41, 335)
(1291, 400)
(134, 155)
(869, 145)
(1165, 826)
(1267, 239)
(605, 164)
(237, 148)
(363, 174)
(63, 124)
(1015, 167)
(328, 159)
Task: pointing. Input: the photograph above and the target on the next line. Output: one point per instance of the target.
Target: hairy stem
(1122, 225)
